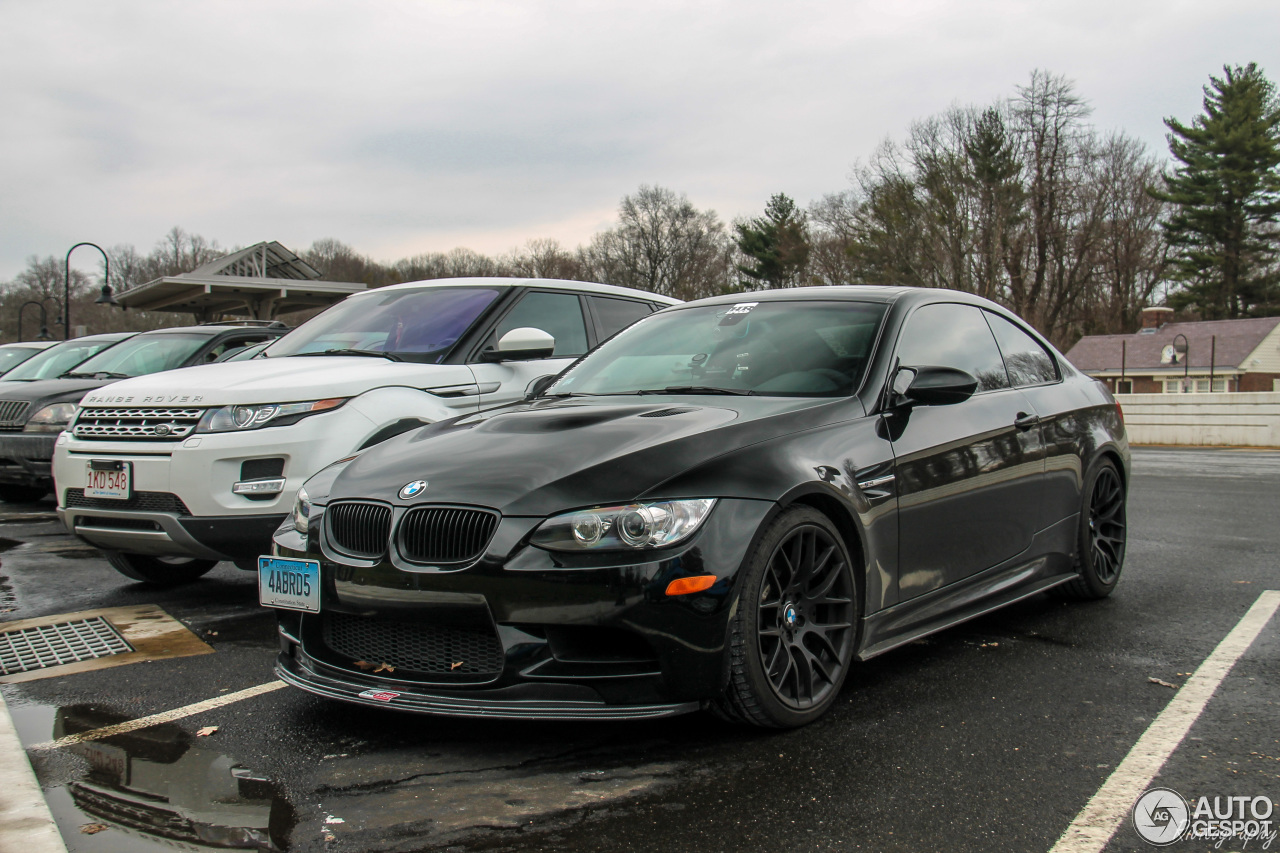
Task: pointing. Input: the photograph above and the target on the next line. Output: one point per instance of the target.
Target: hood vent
(666, 413)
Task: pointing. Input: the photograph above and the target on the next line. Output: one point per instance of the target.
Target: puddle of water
(156, 789)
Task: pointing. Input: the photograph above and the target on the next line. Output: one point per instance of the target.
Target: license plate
(108, 479)
(289, 584)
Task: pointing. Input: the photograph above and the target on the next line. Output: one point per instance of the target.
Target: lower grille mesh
(413, 646)
(144, 501)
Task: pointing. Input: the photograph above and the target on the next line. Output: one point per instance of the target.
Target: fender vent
(666, 413)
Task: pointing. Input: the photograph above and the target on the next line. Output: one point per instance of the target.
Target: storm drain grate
(43, 646)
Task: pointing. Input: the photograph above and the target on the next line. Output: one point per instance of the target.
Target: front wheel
(1101, 538)
(158, 571)
(22, 494)
(791, 640)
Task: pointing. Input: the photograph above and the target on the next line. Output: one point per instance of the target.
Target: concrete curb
(25, 821)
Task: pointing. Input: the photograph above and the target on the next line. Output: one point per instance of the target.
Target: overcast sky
(409, 127)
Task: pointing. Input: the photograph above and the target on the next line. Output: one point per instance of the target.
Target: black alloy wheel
(793, 635)
(158, 571)
(1102, 535)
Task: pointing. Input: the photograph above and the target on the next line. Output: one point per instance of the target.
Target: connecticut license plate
(108, 478)
(287, 583)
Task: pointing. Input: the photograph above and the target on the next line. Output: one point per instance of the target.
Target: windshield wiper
(369, 352)
(696, 389)
(101, 374)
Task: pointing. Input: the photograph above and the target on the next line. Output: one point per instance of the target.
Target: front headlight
(52, 418)
(634, 526)
(232, 418)
(301, 511)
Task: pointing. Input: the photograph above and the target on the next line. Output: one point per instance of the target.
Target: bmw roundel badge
(412, 490)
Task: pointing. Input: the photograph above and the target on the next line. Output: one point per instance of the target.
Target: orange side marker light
(697, 583)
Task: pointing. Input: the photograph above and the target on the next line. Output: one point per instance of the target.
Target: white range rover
(169, 474)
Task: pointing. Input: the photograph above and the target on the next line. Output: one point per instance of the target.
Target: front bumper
(582, 637)
(26, 458)
(168, 534)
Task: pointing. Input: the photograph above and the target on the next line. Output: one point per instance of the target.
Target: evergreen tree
(1226, 193)
(777, 243)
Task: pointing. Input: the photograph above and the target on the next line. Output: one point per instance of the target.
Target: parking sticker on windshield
(737, 313)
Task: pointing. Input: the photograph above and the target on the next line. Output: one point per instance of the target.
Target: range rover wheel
(22, 494)
(791, 641)
(159, 571)
(1101, 538)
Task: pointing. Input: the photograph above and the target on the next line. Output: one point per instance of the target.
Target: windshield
(414, 325)
(144, 354)
(58, 359)
(11, 356)
(805, 349)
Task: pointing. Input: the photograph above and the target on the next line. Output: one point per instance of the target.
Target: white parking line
(163, 717)
(1102, 816)
(25, 821)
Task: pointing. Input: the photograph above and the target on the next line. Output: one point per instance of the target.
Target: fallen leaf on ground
(332, 819)
(206, 731)
(456, 665)
(93, 828)
(384, 667)
(1162, 683)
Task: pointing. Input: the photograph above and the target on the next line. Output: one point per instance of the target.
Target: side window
(1028, 363)
(233, 343)
(557, 314)
(951, 335)
(614, 315)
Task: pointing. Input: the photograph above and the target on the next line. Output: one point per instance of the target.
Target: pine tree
(1225, 190)
(777, 242)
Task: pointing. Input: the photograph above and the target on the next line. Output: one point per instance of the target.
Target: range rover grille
(434, 535)
(414, 646)
(146, 424)
(359, 529)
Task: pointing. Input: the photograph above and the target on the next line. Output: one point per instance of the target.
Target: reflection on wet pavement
(160, 785)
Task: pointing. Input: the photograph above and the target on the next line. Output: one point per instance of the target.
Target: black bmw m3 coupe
(726, 506)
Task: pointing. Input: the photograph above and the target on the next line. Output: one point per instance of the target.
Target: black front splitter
(300, 671)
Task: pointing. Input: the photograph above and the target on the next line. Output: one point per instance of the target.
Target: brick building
(1196, 357)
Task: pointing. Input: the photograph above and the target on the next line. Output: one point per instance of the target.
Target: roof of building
(1227, 342)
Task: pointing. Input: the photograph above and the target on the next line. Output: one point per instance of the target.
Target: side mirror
(537, 386)
(934, 386)
(521, 344)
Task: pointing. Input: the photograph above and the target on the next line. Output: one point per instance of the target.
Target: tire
(22, 494)
(158, 571)
(1101, 537)
(792, 636)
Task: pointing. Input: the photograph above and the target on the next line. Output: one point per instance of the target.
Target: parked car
(11, 355)
(723, 507)
(33, 412)
(171, 473)
(62, 357)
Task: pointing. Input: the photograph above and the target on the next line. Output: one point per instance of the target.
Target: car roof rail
(266, 324)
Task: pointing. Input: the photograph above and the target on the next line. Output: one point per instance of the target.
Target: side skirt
(1019, 578)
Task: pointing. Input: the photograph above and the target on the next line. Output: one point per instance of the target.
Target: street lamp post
(44, 319)
(66, 294)
(1186, 357)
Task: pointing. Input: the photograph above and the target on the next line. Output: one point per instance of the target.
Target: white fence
(1236, 420)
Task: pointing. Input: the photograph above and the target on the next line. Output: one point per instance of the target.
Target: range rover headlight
(232, 418)
(53, 418)
(301, 511)
(634, 526)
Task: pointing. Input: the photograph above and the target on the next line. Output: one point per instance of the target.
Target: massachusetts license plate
(287, 583)
(108, 479)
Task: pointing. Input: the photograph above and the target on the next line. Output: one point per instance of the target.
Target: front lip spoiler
(293, 671)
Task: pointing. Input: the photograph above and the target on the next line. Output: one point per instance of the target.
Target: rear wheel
(791, 640)
(1101, 538)
(159, 571)
(22, 494)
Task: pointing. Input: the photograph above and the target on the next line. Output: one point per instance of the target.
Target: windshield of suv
(11, 356)
(58, 359)
(413, 325)
(143, 354)
(801, 349)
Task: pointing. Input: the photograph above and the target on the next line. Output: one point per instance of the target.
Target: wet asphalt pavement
(988, 737)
